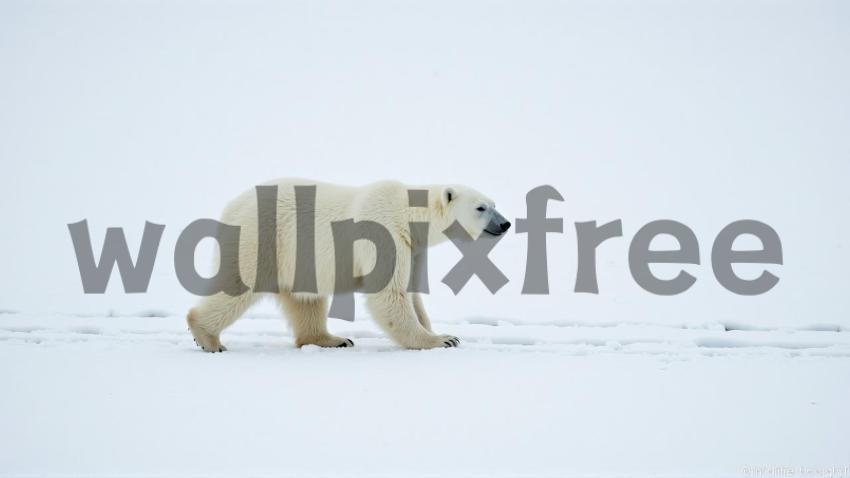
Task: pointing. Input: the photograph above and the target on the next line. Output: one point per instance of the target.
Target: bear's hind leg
(309, 320)
(214, 314)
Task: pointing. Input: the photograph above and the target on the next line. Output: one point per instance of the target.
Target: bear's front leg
(393, 311)
(419, 308)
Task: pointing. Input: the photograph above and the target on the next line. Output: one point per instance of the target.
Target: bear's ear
(448, 195)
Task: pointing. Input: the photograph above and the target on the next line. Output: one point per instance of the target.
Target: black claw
(346, 343)
(452, 342)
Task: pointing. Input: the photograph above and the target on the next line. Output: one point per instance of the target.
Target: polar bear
(399, 313)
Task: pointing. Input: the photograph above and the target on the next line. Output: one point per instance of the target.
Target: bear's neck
(434, 215)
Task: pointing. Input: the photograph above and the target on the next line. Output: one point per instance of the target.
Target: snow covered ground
(130, 395)
(703, 112)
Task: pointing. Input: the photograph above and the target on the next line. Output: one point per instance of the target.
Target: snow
(133, 395)
(704, 112)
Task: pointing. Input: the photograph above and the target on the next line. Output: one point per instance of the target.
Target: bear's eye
(481, 208)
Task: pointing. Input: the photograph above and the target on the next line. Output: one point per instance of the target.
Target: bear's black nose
(505, 226)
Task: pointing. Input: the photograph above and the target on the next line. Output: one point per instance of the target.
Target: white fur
(399, 313)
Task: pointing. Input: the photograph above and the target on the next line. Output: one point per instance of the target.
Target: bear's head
(474, 211)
